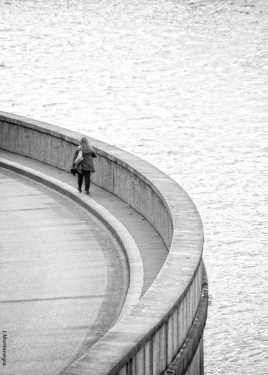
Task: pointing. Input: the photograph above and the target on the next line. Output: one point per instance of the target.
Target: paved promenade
(63, 277)
(58, 290)
(153, 250)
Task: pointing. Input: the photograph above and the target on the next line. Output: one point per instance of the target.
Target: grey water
(183, 84)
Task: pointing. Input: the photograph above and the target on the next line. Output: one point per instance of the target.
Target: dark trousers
(81, 176)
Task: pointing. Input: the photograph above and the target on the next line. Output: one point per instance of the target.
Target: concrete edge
(115, 227)
(186, 352)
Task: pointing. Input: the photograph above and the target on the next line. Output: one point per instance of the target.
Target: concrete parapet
(163, 331)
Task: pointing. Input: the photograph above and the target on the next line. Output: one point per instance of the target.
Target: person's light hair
(85, 145)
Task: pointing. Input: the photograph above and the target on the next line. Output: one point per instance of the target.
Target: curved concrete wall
(164, 330)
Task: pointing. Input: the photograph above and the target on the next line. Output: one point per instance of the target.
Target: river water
(183, 84)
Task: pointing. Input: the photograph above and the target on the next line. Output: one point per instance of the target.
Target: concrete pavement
(152, 248)
(58, 290)
(51, 320)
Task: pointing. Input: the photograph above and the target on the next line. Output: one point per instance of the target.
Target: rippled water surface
(183, 84)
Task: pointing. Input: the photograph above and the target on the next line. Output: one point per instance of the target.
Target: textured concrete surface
(63, 277)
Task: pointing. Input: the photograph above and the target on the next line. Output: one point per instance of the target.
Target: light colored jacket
(87, 163)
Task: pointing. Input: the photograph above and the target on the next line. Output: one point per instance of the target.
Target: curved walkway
(159, 324)
(152, 248)
(63, 277)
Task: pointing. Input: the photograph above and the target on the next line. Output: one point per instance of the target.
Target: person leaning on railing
(83, 164)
